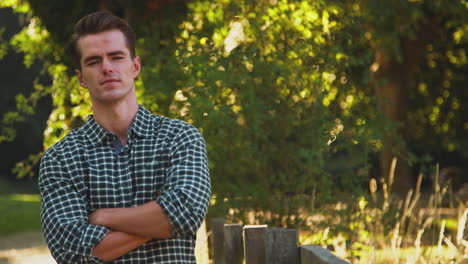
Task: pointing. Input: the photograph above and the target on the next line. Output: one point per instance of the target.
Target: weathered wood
(317, 255)
(281, 246)
(201, 245)
(254, 244)
(217, 239)
(233, 244)
(263, 245)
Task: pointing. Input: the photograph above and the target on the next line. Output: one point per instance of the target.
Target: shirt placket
(124, 176)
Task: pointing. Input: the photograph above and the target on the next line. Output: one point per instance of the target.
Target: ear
(136, 66)
(79, 76)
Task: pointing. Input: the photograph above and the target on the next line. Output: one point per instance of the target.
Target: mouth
(111, 80)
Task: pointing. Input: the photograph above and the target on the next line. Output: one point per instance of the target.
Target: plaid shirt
(164, 160)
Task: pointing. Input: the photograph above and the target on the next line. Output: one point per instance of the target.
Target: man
(128, 186)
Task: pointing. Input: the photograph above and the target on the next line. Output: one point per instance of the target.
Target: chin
(113, 97)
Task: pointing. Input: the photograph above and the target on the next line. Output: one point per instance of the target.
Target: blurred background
(346, 120)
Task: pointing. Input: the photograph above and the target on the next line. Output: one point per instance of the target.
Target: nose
(106, 66)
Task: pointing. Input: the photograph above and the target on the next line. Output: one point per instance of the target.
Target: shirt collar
(141, 126)
(143, 123)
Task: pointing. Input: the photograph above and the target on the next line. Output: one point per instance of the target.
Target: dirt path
(24, 248)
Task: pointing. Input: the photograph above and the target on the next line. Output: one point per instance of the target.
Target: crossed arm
(73, 236)
(130, 228)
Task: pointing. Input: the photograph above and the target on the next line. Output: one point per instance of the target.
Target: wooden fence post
(263, 245)
(217, 239)
(233, 244)
(254, 244)
(317, 255)
(201, 245)
(281, 246)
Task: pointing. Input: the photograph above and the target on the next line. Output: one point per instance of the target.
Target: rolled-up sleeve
(186, 192)
(64, 216)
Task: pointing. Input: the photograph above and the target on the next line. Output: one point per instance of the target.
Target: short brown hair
(96, 23)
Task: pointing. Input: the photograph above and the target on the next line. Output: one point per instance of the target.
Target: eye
(91, 63)
(117, 58)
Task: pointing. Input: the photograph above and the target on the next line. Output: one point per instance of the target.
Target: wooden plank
(217, 239)
(317, 255)
(233, 244)
(201, 245)
(254, 244)
(281, 246)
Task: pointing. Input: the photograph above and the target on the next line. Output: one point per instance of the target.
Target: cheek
(90, 77)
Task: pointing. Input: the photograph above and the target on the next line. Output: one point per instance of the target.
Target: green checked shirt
(164, 160)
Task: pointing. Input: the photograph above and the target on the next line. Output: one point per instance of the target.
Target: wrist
(105, 218)
(101, 217)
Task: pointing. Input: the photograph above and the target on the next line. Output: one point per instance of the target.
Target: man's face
(107, 69)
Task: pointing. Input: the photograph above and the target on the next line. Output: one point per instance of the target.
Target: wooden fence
(260, 244)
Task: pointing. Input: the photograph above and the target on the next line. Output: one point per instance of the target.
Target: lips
(110, 80)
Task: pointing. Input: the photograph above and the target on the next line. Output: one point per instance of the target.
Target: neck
(116, 117)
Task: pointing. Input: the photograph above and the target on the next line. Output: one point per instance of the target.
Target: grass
(382, 228)
(408, 255)
(424, 227)
(19, 213)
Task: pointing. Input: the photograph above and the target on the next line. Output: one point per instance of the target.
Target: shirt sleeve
(186, 192)
(64, 216)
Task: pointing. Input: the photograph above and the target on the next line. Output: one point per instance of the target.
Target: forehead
(102, 43)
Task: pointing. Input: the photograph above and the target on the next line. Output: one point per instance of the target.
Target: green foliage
(268, 85)
(161, 72)
(439, 94)
(436, 118)
(26, 168)
(36, 44)
(281, 89)
(32, 42)
(3, 45)
(25, 107)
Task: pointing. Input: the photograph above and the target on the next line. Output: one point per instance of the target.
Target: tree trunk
(393, 79)
(392, 100)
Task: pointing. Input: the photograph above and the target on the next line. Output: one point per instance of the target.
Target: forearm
(147, 220)
(116, 244)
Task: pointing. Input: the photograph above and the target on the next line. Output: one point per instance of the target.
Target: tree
(19, 135)
(294, 98)
(403, 36)
(269, 87)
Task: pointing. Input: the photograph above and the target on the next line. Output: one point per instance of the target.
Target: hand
(98, 217)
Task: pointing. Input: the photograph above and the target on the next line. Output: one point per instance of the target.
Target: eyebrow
(113, 53)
